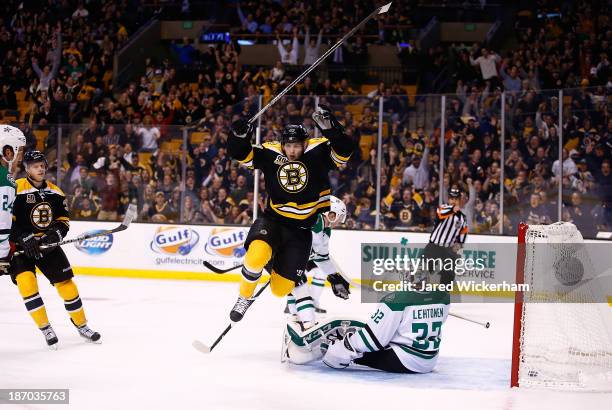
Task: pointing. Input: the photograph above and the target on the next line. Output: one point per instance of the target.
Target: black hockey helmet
(35, 156)
(454, 193)
(294, 133)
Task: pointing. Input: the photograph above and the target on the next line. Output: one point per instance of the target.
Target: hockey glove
(339, 285)
(341, 353)
(242, 129)
(50, 237)
(325, 119)
(30, 245)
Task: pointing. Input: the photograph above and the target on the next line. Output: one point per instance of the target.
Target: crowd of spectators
(331, 18)
(128, 147)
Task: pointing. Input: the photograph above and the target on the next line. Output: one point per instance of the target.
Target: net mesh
(565, 342)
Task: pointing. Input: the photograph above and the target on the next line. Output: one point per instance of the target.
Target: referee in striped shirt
(449, 233)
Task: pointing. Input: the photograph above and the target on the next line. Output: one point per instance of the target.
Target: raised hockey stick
(213, 268)
(203, 348)
(379, 10)
(130, 215)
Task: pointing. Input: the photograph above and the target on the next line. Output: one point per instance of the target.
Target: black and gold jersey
(37, 210)
(297, 190)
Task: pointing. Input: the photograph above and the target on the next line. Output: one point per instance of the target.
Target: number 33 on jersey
(411, 324)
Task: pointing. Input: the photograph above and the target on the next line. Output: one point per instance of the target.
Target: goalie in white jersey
(320, 267)
(12, 142)
(403, 335)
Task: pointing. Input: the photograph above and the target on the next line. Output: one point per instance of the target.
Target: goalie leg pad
(340, 353)
(303, 346)
(28, 288)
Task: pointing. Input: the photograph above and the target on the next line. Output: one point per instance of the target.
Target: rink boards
(178, 251)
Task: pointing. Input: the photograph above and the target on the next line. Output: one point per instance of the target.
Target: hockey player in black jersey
(40, 217)
(297, 183)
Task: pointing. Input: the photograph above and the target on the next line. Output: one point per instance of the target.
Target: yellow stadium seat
(172, 146)
(41, 137)
(198, 137)
(143, 157)
(367, 88)
(20, 95)
(366, 142)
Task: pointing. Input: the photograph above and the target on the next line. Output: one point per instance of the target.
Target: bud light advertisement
(95, 246)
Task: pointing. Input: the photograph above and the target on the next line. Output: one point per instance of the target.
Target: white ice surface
(146, 360)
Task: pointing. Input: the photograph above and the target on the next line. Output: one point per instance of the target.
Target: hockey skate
(50, 336)
(239, 309)
(88, 334)
(320, 310)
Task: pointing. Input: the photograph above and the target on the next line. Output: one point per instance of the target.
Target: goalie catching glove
(339, 285)
(325, 120)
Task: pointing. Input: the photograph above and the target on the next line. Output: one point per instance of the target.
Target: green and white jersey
(411, 324)
(7, 198)
(319, 252)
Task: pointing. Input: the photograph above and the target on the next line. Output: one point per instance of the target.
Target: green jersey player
(320, 267)
(403, 335)
(12, 142)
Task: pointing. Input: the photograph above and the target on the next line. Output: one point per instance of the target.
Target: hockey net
(560, 341)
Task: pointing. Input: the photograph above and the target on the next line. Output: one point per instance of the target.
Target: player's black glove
(241, 128)
(325, 119)
(50, 237)
(30, 245)
(339, 285)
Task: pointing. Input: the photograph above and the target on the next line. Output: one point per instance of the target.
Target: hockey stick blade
(201, 347)
(213, 268)
(486, 325)
(385, 8)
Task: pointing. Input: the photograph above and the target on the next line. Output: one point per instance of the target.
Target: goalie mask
(11, 141)
(337, 208)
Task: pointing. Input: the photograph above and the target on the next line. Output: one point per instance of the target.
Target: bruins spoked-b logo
(41, 215)
(293, 176)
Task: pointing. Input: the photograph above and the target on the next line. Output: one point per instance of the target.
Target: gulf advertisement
(165, 250)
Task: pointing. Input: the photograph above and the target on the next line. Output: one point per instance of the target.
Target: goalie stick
(486, 324)
(130, 215)
(203, 348)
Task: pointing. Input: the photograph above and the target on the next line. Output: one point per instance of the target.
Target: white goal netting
(565, 339)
